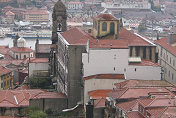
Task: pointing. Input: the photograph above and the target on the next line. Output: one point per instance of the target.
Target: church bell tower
(59, 20)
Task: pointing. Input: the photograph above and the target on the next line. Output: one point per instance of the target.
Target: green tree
(142, 27)
(34, 112)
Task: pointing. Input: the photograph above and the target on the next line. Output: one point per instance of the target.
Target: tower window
(104, 26)
(16, 56)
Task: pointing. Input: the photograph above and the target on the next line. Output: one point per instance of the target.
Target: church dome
(21, 42)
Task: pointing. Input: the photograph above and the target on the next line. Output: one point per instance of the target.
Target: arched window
(104, 26)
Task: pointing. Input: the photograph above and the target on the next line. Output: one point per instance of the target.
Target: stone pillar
(153, 53)
(141, 52)
(147, 53)
(133, 52)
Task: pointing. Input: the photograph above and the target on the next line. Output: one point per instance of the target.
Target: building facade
(167, 56)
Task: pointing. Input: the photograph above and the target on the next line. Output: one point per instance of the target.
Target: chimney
(172, 35)
(89, 30)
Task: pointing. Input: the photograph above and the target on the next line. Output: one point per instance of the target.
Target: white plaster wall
(105, 61)
(37, 66)
(143, 72)
(97, 84)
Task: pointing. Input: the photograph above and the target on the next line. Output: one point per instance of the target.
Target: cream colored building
(167, 55)
(36, 16)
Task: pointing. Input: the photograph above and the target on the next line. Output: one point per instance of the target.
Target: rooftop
(21, 49)
(97, 94)
(105, 16)
(4, 70)
(105, 76)
(134, 114)
(39, 60)
(164, 43)
(144, 63)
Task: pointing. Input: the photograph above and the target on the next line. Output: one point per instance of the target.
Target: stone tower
(59, 20)
(15, 40)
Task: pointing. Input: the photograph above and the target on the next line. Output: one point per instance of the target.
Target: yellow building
(105, 24)
(5, 78)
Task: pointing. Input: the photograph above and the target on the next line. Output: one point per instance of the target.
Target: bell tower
(59, 20)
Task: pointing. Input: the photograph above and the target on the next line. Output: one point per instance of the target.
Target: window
(24, 56)
(135, 69)
(172, 76)
(16, 56)
(161, 52)
(170, 60)
(169, 73)
(173, 62)
(104, 26)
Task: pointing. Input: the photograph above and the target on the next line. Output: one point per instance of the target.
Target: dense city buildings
(87, 59)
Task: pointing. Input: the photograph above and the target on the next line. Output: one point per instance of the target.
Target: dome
(21, 42)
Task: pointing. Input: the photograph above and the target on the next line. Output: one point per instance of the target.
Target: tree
(34, 112)
(142, 27)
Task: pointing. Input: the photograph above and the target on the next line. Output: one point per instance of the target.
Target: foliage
(40, 82)
(34, 112)
(142, 27)
(49, 111)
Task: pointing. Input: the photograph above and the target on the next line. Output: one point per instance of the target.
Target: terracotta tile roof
(145, 102)
(156, 112)
(162, 102)
(128, 106)
(133, 39)
(71, 2)
(144, 83)
(23, 49)
(105, 16)
(105, 76)
(134, 114)
(169, 113)
(4, 70)
(4, 50)
(164, 43)
(97, 94)
(145, 63)
(36, 12)
(134, 93)
(44, 48)
(6, 62)
(20, 98)
(99, 103)
(9, 13)
(39, 60)
(75, 36)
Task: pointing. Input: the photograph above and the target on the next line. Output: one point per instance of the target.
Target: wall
(56, 104)
(168, 62)
(96, 84)
(37, 66)
(99, 61)
(143, 72)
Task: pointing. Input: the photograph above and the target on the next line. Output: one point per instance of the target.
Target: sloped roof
(127, 106)
(105, 16)
(134, 114)
(99, 103)
(39, 60)
(97, 94)
(4, 70)
(145, 63)
(105, 76)
(20, 98)
(9, 13)
(164, 43)
(21, 49)
(170, 112)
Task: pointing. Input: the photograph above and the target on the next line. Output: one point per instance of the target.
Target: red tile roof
(4, 70)
(99, 103)
(36, 12)
(20, 98)
(105, 16)
(143, 83)
(156, 112)
(145, 63)
(127, 106)
(75, 36)
(105, 76)
(22, 49)
(9, 13)
(4, 50)
(134, 114)
(97, 94)
(164, 43)
(169, 113)
(39, 60)
(127, 93)
(133, 39)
